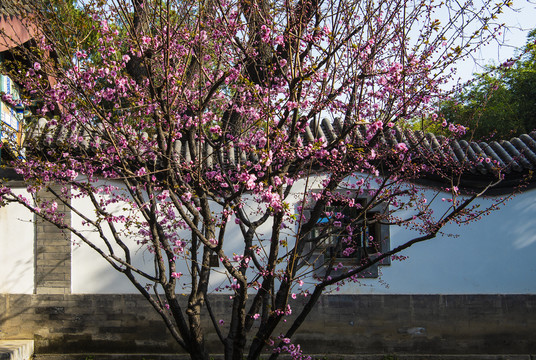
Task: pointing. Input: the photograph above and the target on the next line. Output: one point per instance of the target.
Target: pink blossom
(142, 171)
(186, 196)
(104, 26)
(81, 54)
(402, 147)
(216, 129)
(250, 184)
(235, 286)
(237, 257)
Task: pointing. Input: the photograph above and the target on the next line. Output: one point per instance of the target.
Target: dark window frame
(321, 254)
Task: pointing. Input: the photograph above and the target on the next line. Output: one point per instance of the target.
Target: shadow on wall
(92, 274)
(523, 227)
(15, 280)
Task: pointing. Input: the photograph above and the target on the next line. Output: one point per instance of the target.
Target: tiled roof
(14, 7)
(480, 162)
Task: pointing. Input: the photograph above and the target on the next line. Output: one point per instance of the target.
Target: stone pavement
(287, 357)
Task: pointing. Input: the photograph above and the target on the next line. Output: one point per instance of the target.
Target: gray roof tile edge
(515, 159)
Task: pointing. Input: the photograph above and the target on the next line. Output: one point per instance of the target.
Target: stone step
(16, 349)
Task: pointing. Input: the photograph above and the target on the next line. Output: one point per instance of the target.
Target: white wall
(90, 273)
(16, 249)
(494, 255)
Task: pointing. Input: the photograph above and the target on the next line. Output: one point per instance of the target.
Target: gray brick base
(340, 324)
(52, 253)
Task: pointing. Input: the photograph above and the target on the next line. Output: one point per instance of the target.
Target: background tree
(499, 103)
(194, 118)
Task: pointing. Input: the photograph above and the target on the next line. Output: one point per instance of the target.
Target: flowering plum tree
(202, 117)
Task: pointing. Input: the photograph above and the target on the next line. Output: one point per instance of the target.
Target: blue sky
(519, 21)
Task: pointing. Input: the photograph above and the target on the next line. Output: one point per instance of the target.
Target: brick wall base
(342, 324)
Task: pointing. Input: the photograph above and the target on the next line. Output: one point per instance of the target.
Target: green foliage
(425, 124)
(71, 24)
(500, 103)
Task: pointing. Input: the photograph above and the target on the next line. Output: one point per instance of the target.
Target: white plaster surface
(496, 254)
(16, 249)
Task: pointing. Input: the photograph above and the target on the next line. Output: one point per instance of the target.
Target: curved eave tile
(517, 155)
(510, 163)
(527, 147)
(512, 158)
